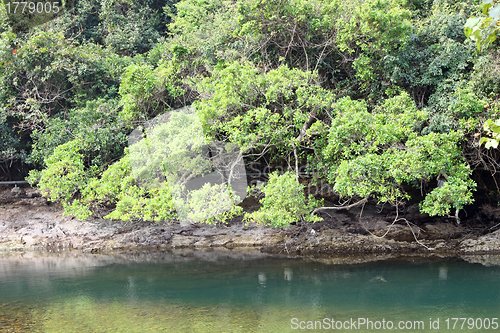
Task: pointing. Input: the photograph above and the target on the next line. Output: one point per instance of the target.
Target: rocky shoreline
(31, 223)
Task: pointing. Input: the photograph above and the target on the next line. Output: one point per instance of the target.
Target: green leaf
(494, 128)
(486, 8)
(472, 22)
(467, 31)
(476, 34)
(495, 11)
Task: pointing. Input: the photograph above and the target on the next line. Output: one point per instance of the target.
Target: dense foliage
(485, 28)
(283, 202)
(384, 100)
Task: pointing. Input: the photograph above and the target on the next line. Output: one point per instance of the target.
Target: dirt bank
(29, 222)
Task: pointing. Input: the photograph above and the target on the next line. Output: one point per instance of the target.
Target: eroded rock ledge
(33, 224)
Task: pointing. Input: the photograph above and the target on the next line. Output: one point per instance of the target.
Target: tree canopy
(384, 100)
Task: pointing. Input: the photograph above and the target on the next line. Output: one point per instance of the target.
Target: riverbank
(29, 222)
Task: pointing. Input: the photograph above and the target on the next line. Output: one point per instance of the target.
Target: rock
(443, 230)
(31, 224)
(16, 191)
(28, 241)
(34, 194)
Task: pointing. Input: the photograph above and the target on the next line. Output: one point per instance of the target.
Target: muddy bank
(29, 222)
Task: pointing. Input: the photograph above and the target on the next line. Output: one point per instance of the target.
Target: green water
(170, 293)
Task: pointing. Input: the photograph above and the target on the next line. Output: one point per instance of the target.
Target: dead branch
(360, 202)
(396, 219)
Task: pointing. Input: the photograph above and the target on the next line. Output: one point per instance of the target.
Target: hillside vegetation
(382, 100)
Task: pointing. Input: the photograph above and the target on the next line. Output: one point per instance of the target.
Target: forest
(394, 102)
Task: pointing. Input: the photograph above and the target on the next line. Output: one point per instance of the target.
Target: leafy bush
(485, 77)
(135, 185)
(96, 124)
(127, 27)
(117, 187)
(493, 130)
(49, 74)
(450, 104)
(434, 55)
(210, 204)
(82, 193)
(376, 154)
(354, 131)
(484, 29)
(372, 30)
(147, 91)
(455, 193)
(420, 159)
(284, 202)
(65, 175)
(261, 112)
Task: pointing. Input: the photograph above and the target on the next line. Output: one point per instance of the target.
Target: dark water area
(178, 293)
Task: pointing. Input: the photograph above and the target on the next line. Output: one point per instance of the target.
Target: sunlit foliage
(381, 98)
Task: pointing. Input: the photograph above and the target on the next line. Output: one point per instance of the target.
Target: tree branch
(359, 203)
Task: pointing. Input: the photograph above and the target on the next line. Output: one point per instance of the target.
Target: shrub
(210, 204)
(146, 91)
(65, 175)
(284, 202)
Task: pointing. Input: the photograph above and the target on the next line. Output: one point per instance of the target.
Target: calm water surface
(213, 293)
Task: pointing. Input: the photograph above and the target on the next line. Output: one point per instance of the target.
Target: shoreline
(33, 224)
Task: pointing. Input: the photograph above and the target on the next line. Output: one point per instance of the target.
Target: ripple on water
(84, 314)
(16, 317)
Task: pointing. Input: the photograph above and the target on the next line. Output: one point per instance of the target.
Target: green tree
(376, 154)
(127, 27)
(263, 113)
(146, 91)
(48, 74)
(97, 124)
(377, 95)
(65, 175)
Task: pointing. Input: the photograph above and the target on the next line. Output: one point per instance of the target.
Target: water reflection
(443, 273)
(288, 274)
(263, 287)
(262, 278)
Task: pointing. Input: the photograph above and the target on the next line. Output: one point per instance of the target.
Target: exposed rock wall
(31, 223)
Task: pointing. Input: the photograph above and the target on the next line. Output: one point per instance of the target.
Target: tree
(262, 112)
(376, 154)
(49, 74)
(127, 27)
(377, 96)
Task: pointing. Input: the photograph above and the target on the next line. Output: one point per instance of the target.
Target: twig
(396, 219)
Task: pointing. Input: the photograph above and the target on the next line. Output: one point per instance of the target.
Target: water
(214, 293)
